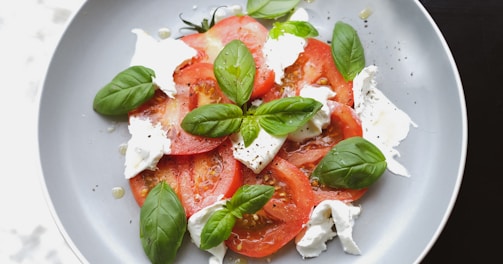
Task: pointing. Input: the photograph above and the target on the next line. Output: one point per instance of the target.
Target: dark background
(474, 32)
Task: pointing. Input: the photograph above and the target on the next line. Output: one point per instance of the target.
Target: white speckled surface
(29, 32)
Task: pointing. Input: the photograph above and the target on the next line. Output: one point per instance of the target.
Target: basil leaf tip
(270, 9)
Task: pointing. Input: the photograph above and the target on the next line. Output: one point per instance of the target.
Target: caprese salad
(252, 137)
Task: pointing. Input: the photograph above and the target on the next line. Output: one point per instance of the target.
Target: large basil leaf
(127, 90)
(353, 163)
(282, 116)
(213, 120)
(162, 224)
(234, 69)
(270, 9)
(347, 50)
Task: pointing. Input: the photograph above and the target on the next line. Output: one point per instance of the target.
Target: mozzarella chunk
(195, 226)
(383, 123)
(259, 153)
(321, 119)
(319, 228)
(148, 143)
(163, 57)
(282, 52)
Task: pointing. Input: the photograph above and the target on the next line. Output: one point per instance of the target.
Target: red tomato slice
(196, 85)
(281, 219)
(306, 155)
(199, 180)
(252, 33)
(314, 66)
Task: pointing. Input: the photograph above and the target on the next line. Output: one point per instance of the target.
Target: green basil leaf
(353, 163)
(347, 50)
(301, 29)
(270, 9)
(282, 116)
(162, 224)
(213, 120)
(234, 69)
(248, 199)
(127, 90)
(217, 229)
(249, 130)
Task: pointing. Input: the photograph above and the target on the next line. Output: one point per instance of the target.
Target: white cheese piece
(148, 143)
(319, 228)
(321, 119)
(162, 56)
(383, 123)
(282, 52)
(259, 153)
(195, 226)
(300, 14)
(226, 11)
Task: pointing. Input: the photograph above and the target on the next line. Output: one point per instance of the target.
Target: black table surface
(473, 30)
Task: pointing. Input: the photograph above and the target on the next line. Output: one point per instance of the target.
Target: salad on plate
(250, 133)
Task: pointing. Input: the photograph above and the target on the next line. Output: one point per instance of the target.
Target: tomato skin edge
(282, 226)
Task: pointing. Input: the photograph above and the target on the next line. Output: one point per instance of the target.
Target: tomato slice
(245, 28)
(306, 155)
(196, 86)
(314, 66)
(281, 219)
(199, 180)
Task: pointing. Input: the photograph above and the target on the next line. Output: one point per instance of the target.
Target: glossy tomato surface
(196, 85)
(281, 219)
(199, 180)
(252, 33)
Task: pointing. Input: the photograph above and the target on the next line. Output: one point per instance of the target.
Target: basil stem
(127, 90)
(162, 224)
(347, 50)
(270, 9)
(248, 199)
(353, 163)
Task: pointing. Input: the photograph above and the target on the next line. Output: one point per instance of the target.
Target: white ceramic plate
(401, 217)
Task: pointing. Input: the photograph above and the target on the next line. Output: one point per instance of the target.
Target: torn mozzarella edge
(196, 224)
(162, 56)
(383, 123)
(319, 228)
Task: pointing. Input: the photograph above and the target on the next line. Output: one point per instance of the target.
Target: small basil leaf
(127, 90)
(248, 199)
(217, 229)
(162, 224)
(213, 120)
(301, 29)
(282, 116)
(234, 69)
(270, 9)
(353, 163)
(249, 130)
(347, 50)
